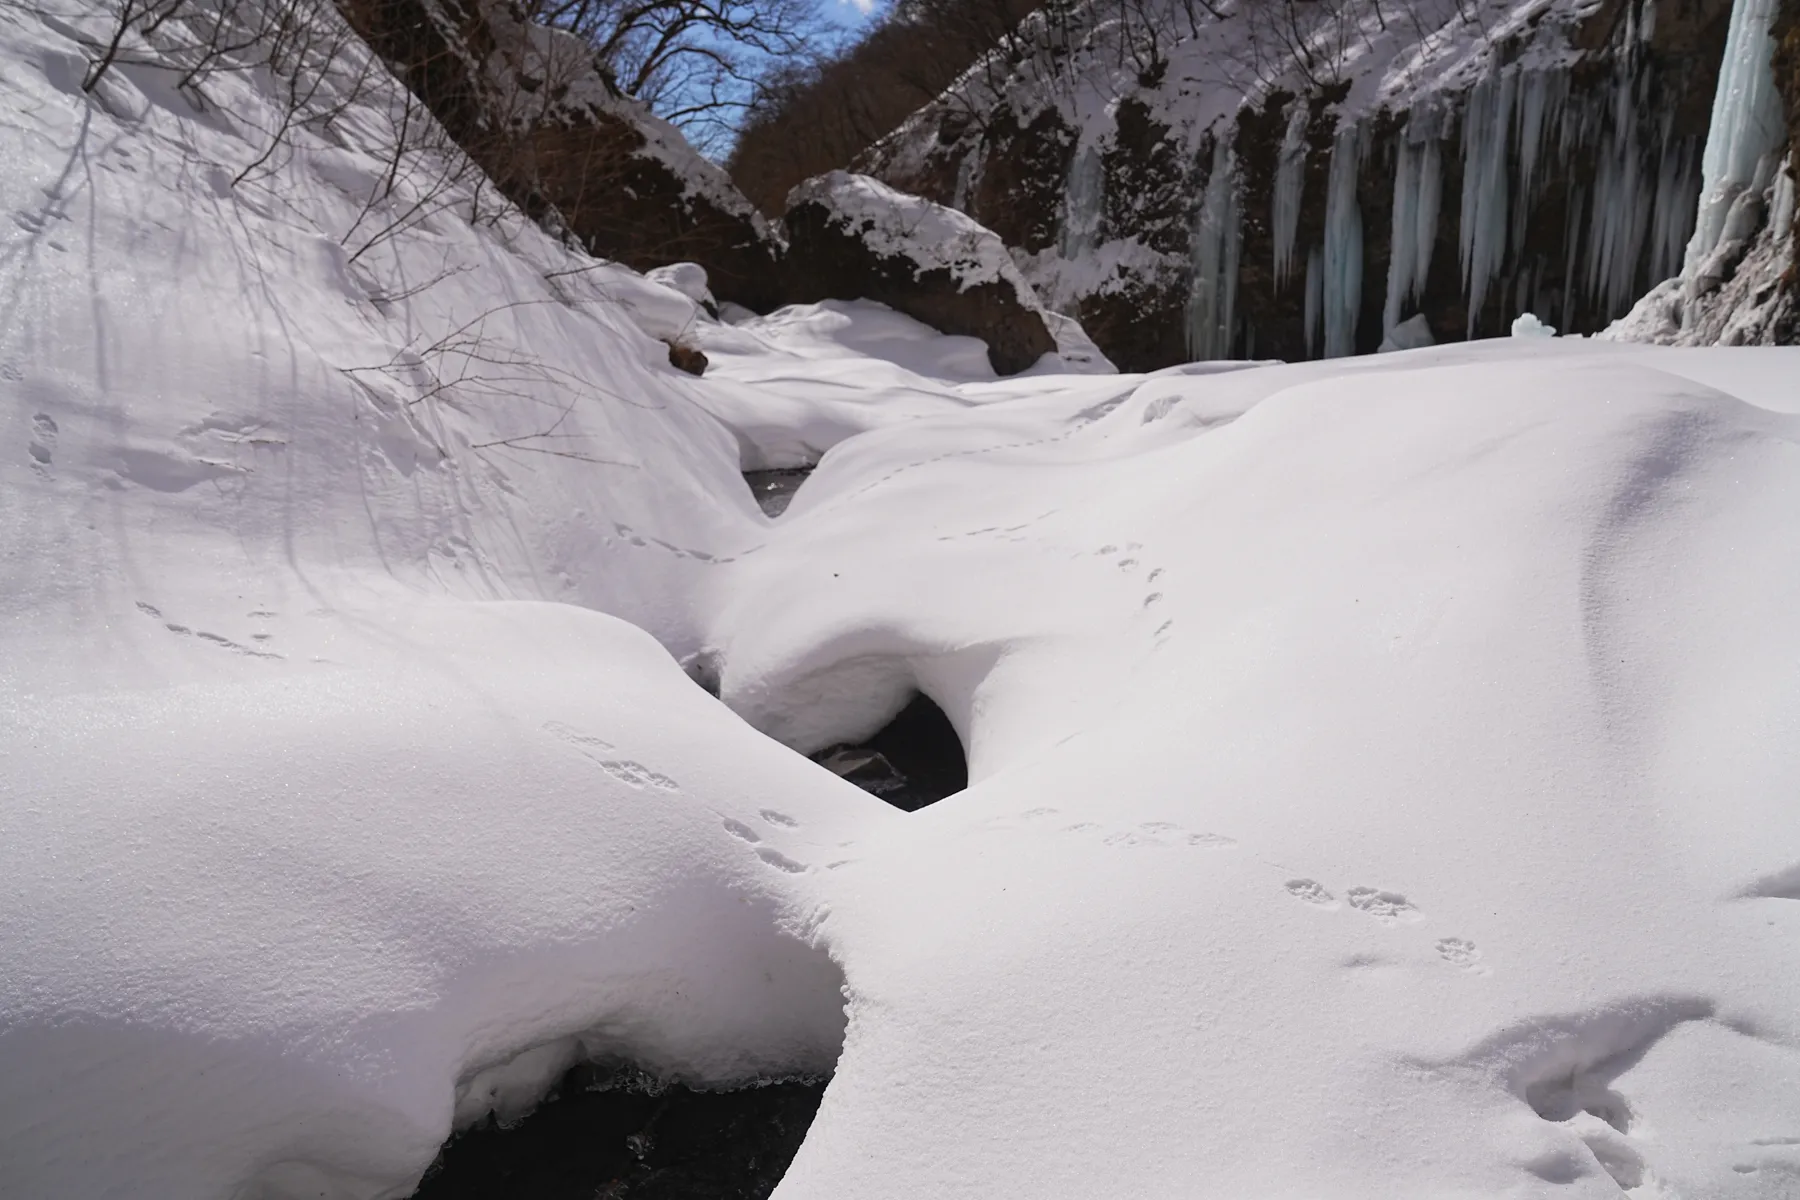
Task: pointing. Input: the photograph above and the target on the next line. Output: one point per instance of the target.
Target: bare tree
(694, 62)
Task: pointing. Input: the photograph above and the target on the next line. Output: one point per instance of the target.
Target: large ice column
(1341, 283)
(1418, 184)
(1487, 125)
(1743, 141)
(1290, 184)
(1213, 246)
(1083, 198)
(1315, 290)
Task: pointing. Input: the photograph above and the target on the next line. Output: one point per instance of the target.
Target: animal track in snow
(1388, 907)
(637, 775)
(1777, 885)
(219, 640)
(1311, 891)
(777, 859)
(1158, 834)
(43, 439)
(596, 750)
(587, 743)
(1460, 952)
(741, 831)
(774, 817)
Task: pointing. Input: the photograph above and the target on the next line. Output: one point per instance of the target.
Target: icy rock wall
(1531, 156)
(1738, 282)
(1570, 194)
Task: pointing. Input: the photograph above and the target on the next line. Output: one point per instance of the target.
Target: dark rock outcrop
(531, 109)
(849, 238)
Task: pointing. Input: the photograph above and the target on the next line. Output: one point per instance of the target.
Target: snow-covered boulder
(851, 237)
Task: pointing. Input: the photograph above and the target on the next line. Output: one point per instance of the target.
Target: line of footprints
(1390, 908)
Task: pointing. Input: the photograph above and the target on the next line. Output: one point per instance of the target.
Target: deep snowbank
(1408, 741)
(298, 841)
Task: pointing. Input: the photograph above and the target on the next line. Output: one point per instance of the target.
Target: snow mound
(314, 816)
(1403, 739)
(296, 926)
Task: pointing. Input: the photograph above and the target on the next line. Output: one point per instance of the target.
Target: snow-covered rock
(528, 103)
(852, 237)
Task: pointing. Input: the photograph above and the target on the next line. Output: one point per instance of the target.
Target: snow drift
(1382, 770)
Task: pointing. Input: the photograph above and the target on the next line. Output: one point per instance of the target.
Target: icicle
(1486, 123)
(1083, 198)
(1431, 192)
(1213, 245)
(1315, 288)
(1781, 203)
(1341, 298)
(1746, 127)
(1403, 240)
(1418, 184)
(1290, 182)
(967, 174)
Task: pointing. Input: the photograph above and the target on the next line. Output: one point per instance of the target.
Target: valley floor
(1383, 771)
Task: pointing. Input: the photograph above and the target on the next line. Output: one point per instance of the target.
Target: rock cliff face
(530, 107)
(1298, 178)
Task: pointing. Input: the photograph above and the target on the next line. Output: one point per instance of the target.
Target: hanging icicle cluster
(1213, 248)
(1418, 193)
(1573, 199)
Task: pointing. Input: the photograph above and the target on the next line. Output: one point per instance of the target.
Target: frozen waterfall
(1743, 144)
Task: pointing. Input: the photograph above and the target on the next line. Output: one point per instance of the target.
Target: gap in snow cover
(612, 1133)
(915, 760)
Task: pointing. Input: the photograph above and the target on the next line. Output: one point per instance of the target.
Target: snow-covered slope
(1383, 780)
(1383, 769)
(311, 808)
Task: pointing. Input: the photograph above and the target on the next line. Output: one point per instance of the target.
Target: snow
(1527, 325)
(687, 278)
(1376, 764)
(1383, 768)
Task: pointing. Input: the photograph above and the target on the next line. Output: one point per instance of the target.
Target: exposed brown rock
(687, 358)
(570, 149)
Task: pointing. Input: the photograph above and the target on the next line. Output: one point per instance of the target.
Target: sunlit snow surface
(1385, 771)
